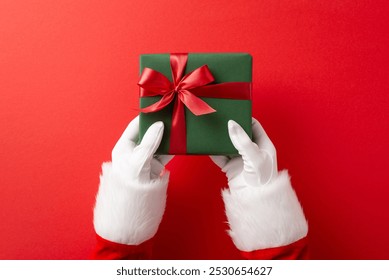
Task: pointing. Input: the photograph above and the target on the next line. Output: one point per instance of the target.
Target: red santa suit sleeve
(295, 251)
(108, 250)
(265, 222)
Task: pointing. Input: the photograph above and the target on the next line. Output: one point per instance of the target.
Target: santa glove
(261, 206)
(132, 194)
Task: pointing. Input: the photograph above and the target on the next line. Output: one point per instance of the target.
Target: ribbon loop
(177, 65)
(154, 81)
(197, 78)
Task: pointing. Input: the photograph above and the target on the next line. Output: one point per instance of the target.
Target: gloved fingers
(265, 145)
(164, 159)
(144, 152)
(233, 168)
(249, 152)
(266, 166)
(220, 161)
(261, 138)
(242, 142)
(127, 141)
(157, 169)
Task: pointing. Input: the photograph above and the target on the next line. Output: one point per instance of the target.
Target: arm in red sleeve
(295, 251)
(108, 250)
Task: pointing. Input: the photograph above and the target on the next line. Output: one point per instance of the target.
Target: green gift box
(195, 95)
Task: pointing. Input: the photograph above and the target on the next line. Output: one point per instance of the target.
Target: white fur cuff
(265, 217)
(128, 212)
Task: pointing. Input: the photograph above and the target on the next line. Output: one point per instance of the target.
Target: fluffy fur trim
(128, 212)
(265, 217)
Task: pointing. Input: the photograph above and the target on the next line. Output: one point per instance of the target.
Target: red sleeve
(294, 251)
(108, 250)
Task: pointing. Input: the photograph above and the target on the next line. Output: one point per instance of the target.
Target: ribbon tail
(157, 106)
(196, 105)
(178, 130)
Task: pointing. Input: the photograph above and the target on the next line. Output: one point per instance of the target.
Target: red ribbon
(185, 91)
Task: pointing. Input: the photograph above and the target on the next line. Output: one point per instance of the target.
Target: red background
(68, 73)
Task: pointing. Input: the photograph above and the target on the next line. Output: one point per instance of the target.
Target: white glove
(257, 164)
(132, 194)
(138, 163)
(261, 206)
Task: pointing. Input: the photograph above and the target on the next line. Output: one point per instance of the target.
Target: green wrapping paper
(205, 134)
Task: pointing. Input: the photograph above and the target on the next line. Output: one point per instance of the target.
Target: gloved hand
(132, 194)
(257, 164)
(261, 206)
(134, 162)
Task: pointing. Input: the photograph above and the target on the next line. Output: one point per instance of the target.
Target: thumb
(144, 152)
(248, 150)
(242, 142)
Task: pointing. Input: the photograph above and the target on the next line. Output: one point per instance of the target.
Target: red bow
(157, 84)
